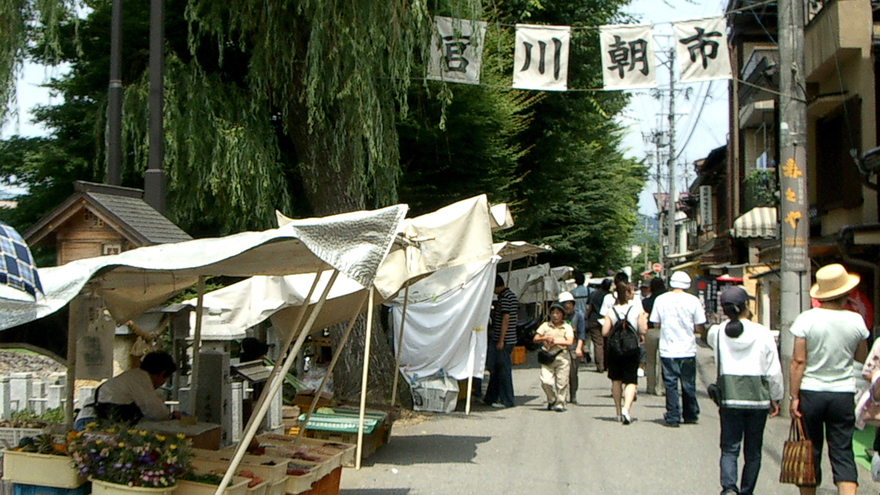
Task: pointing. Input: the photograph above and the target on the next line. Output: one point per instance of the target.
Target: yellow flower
(173, 446)
(160, 438)
(142, 433)
(132, 431)
(122, 444)
(111, 430)
(181, 436)
(97, 442)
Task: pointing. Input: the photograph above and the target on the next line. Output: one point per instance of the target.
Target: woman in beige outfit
(555, 335)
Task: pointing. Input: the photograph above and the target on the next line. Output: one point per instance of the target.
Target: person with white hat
(681, 316)
(821, 381)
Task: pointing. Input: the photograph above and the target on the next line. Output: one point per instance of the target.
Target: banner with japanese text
(701, 49)
(627, 56)
(456, 50)
(540, 58)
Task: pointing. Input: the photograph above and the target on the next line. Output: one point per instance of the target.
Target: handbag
(714, 389)
(547, 357)
(797, 457)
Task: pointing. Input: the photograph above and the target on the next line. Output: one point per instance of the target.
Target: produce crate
(518, 356)
(11, 436)
(345, 451)
(328, 485)
(268, 472)
(300, 483)
(278, 487)
(238, 486)
(24, 489)
(260, 489)
(30, 468)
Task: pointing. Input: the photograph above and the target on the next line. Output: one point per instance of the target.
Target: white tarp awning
(537, 284)
(757, 222)
(446, 319)
(452, 236)
(134, 281)
(514, 250)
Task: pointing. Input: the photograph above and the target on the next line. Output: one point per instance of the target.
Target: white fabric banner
(701, 49)
(627, 56)
(456, 50)
(541, 57)
(443, 328)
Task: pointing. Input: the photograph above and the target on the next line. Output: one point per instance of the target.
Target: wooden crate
(328, 485)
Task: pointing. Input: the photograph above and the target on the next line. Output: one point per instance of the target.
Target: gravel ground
(25, 362)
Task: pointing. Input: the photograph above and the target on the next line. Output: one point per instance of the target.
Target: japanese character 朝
(699, 45)
(627, 55)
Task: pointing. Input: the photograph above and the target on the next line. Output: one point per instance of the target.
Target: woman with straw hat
(822, 385)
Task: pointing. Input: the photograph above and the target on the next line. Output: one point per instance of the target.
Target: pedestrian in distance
(499, 392)
(821, 381)
(575, 351)
(581, 296)
(750, 387)
(652, 340)
(644, 292)
(555, 336)
(681, 318)
(623, 365)
(594, 323)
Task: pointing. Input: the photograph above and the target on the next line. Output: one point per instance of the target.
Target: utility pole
(670, 215)
(114, 98)
(154, 177)
(793, 215)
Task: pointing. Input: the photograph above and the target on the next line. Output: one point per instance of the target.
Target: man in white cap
(681, 317)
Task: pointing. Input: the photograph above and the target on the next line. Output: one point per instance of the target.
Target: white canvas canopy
(134, 281)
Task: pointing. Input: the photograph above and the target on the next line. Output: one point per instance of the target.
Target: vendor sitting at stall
(131, 396)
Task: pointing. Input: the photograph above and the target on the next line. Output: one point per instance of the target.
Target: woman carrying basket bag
(821, 379)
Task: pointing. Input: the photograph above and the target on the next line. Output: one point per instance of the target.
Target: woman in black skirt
(623, 369)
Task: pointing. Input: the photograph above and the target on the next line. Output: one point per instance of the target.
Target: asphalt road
(527, 449)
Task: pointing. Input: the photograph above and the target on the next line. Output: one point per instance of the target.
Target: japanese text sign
(541, 57)
(701, 49)
(456, 50)
(627, 56)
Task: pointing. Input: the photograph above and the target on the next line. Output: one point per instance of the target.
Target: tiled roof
(141, 218)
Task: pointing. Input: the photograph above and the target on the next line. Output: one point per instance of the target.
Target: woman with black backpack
(625, 326)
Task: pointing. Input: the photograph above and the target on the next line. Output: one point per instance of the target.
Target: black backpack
(624, 339)
(525, 333)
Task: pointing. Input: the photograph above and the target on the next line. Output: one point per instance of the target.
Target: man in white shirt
(681, 316)
(130, 396)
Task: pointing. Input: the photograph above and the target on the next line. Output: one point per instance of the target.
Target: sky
(701, 108)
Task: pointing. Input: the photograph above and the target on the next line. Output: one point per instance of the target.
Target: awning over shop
(757, 222)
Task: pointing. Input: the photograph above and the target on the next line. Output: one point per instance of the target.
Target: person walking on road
(681, 316)
(576, 319)
(751, 386)
(581, 296)
(595, 324)
(623, 369)
(555, 335)
(499, 392)
(652, 340)
(821, 379)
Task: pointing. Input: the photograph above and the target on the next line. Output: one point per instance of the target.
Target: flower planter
(29, 468)
(238, 486)
(106, 488)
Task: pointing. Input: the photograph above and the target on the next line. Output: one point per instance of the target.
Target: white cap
(566, 297)
(680, 280)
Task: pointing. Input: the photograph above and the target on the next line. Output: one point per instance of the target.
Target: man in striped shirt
(501, 341)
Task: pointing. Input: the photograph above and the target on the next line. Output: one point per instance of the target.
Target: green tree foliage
(578, 193)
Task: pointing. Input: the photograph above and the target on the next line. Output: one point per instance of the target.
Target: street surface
(529, 450)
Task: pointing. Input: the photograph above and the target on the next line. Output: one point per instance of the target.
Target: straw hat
(833, 281)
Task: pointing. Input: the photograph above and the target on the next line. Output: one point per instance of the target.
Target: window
(838, 183)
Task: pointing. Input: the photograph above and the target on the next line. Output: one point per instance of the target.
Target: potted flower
(121, 460)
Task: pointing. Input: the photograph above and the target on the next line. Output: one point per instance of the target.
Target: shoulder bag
(714, 389)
